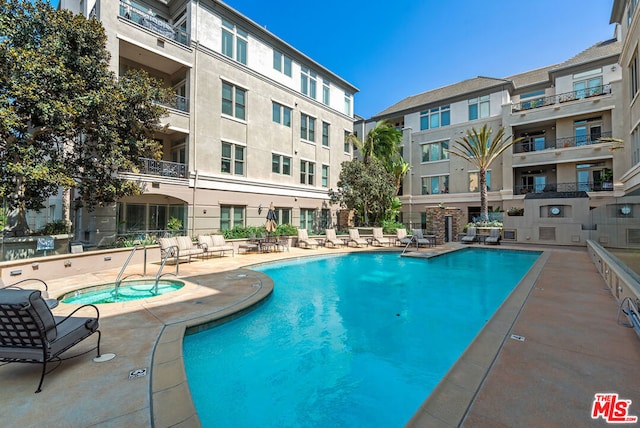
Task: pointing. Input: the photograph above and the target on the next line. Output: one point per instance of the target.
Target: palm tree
(480, 149)
(381, 143)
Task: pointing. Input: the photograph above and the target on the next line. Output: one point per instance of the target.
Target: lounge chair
(304, 241)
(470, 237)
(378, 237)
(493, 238)
(419, 239)
(214, 244)
(332, 239)
(29, 333)
(179, 247)
(354, 236)
(52, 303)
(401, 237)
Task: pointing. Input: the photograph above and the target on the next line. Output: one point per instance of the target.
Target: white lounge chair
(379, 238)
(332, 239)
(354, 236)
(401, 237)
(304, 241)
(214, 244)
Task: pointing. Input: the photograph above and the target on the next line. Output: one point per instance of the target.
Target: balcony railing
(531, 145)
(582, 186)
(153, 23)
(561, 98)
(163, 168)
(179, 103)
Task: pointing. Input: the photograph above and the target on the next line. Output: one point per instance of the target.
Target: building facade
(569, 119)
(255, 121)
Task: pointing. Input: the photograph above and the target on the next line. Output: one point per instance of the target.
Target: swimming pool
(129, 290)
(352, 340)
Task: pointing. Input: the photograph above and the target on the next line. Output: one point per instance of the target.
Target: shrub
(57, 227)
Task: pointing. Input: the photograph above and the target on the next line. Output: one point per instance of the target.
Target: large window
(280, 164)
(347, 104)
(306, 218)
(308, 82)
(435, 117)
(347, 144)
(325, 175)
(232, 159)
(435, 151)
(634, 78)
(281, 114)
(325, 134)
(233, 101)
(282, 63)
(307, 127)
(435, 185)
(325, 218)
(231, 216)
(307, 171)
(283, 215)
(474, 181)
(479, 107)
(588, 83)
(326, 92)
(234, 42)
(587, 131)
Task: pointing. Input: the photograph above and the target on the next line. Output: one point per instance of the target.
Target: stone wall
(436, 222)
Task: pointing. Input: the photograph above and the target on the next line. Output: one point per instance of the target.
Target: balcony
(179, 103)
(530, 145)
(583, 186)
(153, 23)
(561, 98)
(163, 168)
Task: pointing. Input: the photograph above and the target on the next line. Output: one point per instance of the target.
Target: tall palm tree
(480, 149)
(381, 143)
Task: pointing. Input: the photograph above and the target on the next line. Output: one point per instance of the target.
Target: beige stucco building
(255, 121)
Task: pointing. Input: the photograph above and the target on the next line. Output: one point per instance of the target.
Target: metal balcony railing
(179, 103)
(561, 98)
(163, 168)
(582, 186)
(153, 23)
(530, 145)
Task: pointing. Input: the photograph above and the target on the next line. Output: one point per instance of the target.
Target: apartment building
(565, 165)
(255, 121)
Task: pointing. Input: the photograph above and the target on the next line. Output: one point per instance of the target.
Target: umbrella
(271, 219)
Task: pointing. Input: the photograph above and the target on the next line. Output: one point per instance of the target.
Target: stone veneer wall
(436, 222)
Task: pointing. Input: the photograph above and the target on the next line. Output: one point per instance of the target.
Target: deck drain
(137, 373)
(518, 338)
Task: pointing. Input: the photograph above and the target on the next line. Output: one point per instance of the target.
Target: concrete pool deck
(573, 348)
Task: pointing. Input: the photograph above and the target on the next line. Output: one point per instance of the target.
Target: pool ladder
(409, 244)
(171, 252)
(119, 278)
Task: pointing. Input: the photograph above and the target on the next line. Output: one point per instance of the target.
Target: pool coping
(450, 401)
(171, 404)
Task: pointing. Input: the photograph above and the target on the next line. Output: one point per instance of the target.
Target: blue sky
(391, 50)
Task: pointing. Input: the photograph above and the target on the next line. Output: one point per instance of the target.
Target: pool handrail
(171, 251)
(124, 267)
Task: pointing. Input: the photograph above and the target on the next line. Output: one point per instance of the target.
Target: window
(347, 143)
(325, 175)
(435, 151)
(435, 185)
(435, 117)
(233, 101)
(282, 63)
(479, 107)
(280, 164)
(347, 104)
(281, 114)
(307, 172)
(325, 134)
(589, 84)
(326, 92)
(306, 218)
(532, 183)
(283, 215)
(587, 131)
(234, 42)
(474, 181)
(325, 218)
(633, 75)
(232, 157)
(231, 216)
(635, 146)
(308, 82)
(307, 127)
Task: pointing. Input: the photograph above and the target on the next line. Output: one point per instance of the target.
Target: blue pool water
(357, 340)
(128, 291)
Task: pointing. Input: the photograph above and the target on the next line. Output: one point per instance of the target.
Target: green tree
(368, 189)
(382, 143)
(65, 120)
(480, 149)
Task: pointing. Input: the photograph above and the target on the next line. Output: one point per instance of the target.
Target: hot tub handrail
(124, 267)
(171, 251)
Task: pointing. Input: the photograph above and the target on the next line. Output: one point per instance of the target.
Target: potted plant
(515, 211)
(607, 178)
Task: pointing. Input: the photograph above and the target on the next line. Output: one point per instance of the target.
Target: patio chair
(29, 333)
(52, 303)
(214, 244)
(470, 237)
(332, 238)
(493, 238)
(401, 237)
(419, 239)
(304, 241)
(354, 236)
(378, 237)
